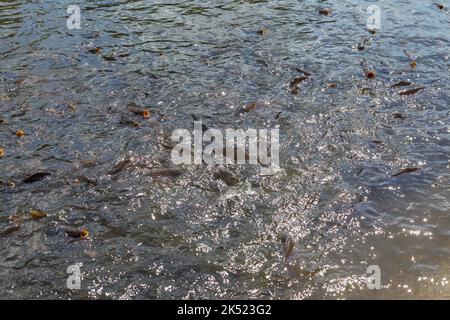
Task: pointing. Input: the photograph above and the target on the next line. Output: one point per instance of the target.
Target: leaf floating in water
(119, 167)
(2, 153)
(402, 84)
(413, 64)
(166, 172)
(410, 91)
(403, 171)
(36, 177)
(36, 214)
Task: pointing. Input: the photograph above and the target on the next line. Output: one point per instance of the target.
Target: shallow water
(194, 236)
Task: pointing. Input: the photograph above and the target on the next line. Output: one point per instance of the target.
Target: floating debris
(325, 11)
(143, 112)
(263, 31)
(36, 177)
(403, 171)
(413, 64)
(166, 172)
(37, 214)
(410, 91)
(2, 152)
(119, 167)
(75, 232)
(402, 84)
(372, 31)
(97, 50)
(20, 133)
(332, 85)
(378, 142)
(2, 120)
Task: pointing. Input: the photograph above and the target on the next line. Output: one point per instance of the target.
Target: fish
(403, 171)
(37, 214)
(227, 177)
(143, 112)
(410, 91)
(119, 167)
(76, 232)
(36, 177)
(402, 84)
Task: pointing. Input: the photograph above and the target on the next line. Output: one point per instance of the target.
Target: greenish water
(342, 136)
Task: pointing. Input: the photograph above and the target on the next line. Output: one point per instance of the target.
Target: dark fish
(36, 177)
(411, 91)
(143, 112)
(403, 171)
(398, 115)
(297, 80)
(119, 167)
(247, 107)
(9, 230)
(227, 177)
(97, 50)
(83, 178)
(379, 142)
(263, 31)
(127, 121)
(402, 84)
(76, 232)
(2, 120)
(439, 6)
(288, 244)
(166, 172)
(109, 58)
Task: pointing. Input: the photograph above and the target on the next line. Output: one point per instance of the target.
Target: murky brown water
(194, 236)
